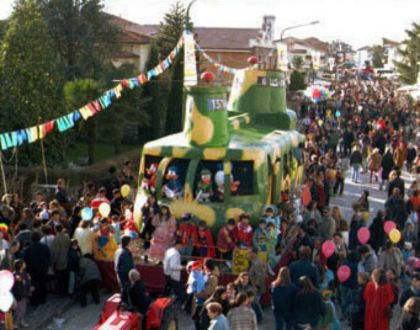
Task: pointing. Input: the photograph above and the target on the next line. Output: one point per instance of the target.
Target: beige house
(135, 46)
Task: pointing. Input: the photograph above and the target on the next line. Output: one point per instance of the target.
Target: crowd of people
(365, 127)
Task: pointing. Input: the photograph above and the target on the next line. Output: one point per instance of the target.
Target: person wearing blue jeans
(356, 160)
(355, 172)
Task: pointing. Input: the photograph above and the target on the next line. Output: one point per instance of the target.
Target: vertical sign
(282, 56)
(190, 65)
(316, 60)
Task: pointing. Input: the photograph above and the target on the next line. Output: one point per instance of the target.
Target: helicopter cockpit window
(242, 180)
(174, 178)
(151, 164)
(209, 182)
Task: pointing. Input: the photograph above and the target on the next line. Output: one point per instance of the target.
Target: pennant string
(63, 123)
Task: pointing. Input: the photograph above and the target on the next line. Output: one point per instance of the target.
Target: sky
(358, 22)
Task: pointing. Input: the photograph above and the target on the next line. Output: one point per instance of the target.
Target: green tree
(129, 113)
(157, 92)
(297, 62)
(83, 37)
(297, 81)
(378, 56)
(408, 67)
(169, 32)
(31, 88)
(77, 93)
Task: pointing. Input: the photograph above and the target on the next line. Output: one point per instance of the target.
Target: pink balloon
(363, 235)
(328, 248)
(389, 225)
(6, 280)
(343, 273)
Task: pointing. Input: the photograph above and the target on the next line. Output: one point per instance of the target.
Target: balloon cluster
(104, 208)
(317, 93)
(391, 230)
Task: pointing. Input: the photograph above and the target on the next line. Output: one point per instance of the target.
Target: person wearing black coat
(397, 183)
(308, 306)
(411, 156)
(73, 260)
(387, 165)
(123, 262)
(410, 316)
(358, 304)
(139, 297)
(348, 288)
(303, 267)
(355, 224)
(37, 258)
(377, 234)
(283, 294)
(348, 138)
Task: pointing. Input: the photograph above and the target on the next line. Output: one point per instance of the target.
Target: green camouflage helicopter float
(232, 157)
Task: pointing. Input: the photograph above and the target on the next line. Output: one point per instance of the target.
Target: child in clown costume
(187, 233)
(243, 231)
(205, 187)
(205, 243)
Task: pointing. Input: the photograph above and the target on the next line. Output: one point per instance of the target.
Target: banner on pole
(316, 60)
(282, 60)
(190, 65)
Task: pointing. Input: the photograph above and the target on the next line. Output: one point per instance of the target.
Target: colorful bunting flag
(32, 134)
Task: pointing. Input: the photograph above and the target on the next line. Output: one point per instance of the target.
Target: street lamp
(295, 27)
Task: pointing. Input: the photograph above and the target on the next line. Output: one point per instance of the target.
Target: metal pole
(3, 174)
(44, 160)
(295, 27)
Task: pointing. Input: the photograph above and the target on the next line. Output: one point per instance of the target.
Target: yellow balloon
(394, 236)
(104, 209)
(125, 190)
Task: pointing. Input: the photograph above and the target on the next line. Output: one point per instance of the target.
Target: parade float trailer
(233, 156)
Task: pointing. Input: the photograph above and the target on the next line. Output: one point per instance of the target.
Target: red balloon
(252, 60)
(316, 93)
(328, 248)
(363, 235)
(343, 273)
(389, 225)
(207, 76)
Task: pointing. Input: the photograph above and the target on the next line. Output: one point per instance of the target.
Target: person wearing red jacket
(226, 240)
(204, 242)
(243, 231)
